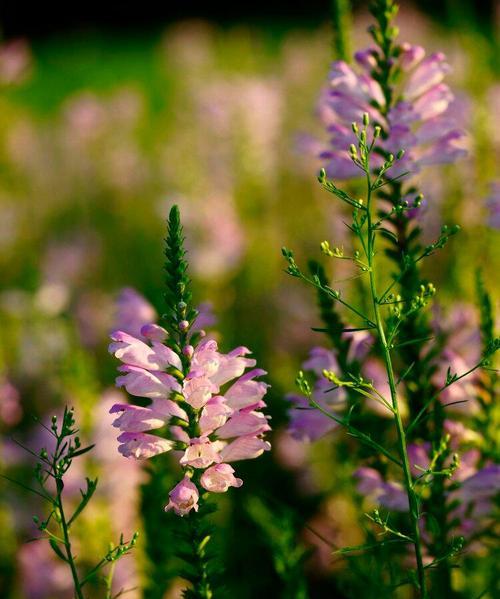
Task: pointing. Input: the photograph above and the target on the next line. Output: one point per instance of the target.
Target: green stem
(403, 451)
(109, 580)
(67, 543)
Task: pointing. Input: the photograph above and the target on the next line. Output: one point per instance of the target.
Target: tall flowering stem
(193, 409)
(179, 318)
(367, 226)
(368, 244)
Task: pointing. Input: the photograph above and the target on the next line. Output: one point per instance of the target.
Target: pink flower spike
(200, 454)
(142, 383)
(218, 478)
(183, 498)
(142, 446)
(244, 448)
(154, 332)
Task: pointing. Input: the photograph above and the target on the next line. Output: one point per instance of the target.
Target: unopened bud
(183, 325)
(366, 119)
(188, 351)
(400, 154)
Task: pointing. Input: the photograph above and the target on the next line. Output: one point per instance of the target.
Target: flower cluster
(470, 489)
(212, 427)
(421, 118)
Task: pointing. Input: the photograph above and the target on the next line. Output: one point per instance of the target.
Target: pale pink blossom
(246, 392)
(142, 445)
(244, 448)
(198, 390)
(154, 332)
(219, 368)
(201, 453)
(218, 478)
(135, 352)
(214, 414)
(143, 383)
(138, 419)
(244, 423)
(183, 498)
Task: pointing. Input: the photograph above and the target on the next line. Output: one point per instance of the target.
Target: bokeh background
(108, 116)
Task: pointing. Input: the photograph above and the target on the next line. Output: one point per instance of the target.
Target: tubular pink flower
(197, 391)
(135, 352)
(219, 368)
(200, 454)
(244, 448)
(246, 392)
(141, 445)
(183, 498)
(244, 423)
(154, 332)
(139, 419)
(214, 415)
(218, 478)
(142, 383)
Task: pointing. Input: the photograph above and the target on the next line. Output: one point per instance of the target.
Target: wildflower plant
(51, 470)
(202, 405)
(422, 475)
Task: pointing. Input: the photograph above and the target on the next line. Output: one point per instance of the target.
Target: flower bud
(183, 325)
(188, 351)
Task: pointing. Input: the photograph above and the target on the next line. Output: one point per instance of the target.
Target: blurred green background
(102, 129)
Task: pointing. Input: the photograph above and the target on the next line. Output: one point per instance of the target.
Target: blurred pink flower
(133, 311)
(16, 62)
(11, 410)
(307, 423)
(421, 122)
